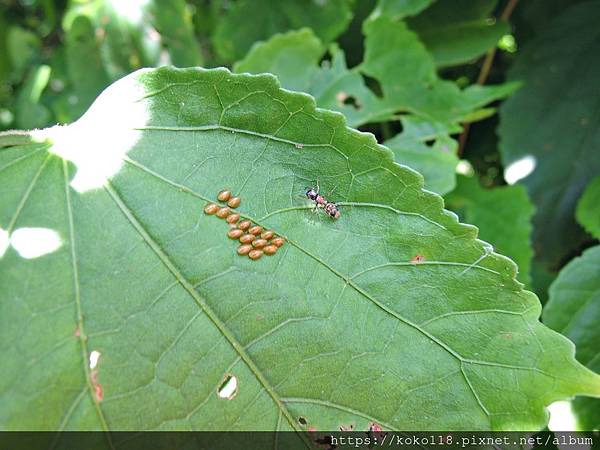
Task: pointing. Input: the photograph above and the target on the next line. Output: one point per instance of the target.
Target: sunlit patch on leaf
(94, 359)
(32, 243)
(519, 169)
(98, 152)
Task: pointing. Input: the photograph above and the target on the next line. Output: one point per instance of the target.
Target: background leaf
(503, 216)
(425, 143)
(29, 112)
(427, 149)
(293, 56)
(574, 310)
(456, 32)
(550, 119)
(588, 208)
(250, 21)
(398, 9)
(395, 301)
(85, 65)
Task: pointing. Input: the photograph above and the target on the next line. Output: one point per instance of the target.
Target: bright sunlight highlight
(519, 169)
(98, 141)
(132, 10)
(94, 358)
(561, 417)
(35, 242)
(465, 168)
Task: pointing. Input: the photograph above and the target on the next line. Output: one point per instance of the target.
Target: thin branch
(485, 71)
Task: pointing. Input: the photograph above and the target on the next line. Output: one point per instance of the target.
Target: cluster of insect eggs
(255, 240)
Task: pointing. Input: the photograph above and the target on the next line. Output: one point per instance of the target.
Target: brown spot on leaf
(417, 259)
(98, 392)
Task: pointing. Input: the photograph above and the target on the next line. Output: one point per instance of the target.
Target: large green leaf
(256, 20)
(588, 208)
(574, 310)
(552, 121)
(395, 301)
(503, 216)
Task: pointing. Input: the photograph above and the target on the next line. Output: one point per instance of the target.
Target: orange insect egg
(211, 208)
(270, 249)
(235, 233)
(233, 218)
(244, 225)
(247, 238)
(278, 241)
(234, 202)
(224, 196)
(259, 243)
(267, 234)
(256, 229)
(255, 254)
(222, 213)
(244, 249)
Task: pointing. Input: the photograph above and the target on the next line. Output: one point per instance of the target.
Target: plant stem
(484, 72)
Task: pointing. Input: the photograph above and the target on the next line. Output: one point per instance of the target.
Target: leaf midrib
(79, 311)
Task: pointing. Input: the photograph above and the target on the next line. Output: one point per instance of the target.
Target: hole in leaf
(373, 85)
(94, 358)
(302, 420)
(347, 100)
(228, 388)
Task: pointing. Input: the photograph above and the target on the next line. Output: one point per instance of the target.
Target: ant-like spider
(320, 202)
